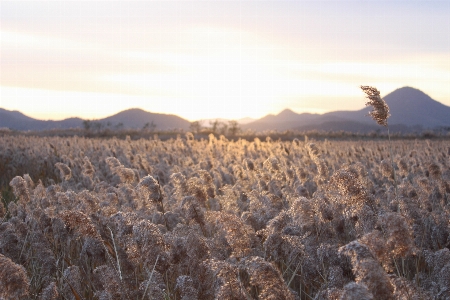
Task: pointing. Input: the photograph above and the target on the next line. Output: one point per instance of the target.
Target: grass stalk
(117, 255)
(150, 278)
(392, 163)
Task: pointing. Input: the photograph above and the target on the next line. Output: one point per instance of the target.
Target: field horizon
(412, 111)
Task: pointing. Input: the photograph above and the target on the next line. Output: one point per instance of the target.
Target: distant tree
(223, 128)
(119, 126)
(195, 127)
(150, 126)
(233, 127)
(97, 126)
(87, 125)
(214, 126)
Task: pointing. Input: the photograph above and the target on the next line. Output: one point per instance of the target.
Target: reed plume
(14, 282)
(185, 288)
(80, 223)
(50, 292)
(20, 188)
(88, 169)
(227, 283)
(380, 112)
(267, 279)
(66, 172)
(150, 188)
(368, 271)
(356, 291)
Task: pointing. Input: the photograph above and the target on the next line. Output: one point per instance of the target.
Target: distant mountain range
(138, 118)
(18, 121)
(131, 118)
(410, 108)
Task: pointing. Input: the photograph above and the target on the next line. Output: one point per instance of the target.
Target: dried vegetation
(217, 219)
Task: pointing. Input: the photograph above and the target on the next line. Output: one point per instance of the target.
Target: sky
(217, 59)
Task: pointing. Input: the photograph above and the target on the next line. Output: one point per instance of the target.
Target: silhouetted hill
(138, 118)
(408, 106)
(411, 106)
(285, 120)
(410, 109)
(14, 119)
(132, 118)
(18, 121)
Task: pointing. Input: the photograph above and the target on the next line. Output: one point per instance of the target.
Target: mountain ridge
(138, 118)
(410, 109)
(408, 106)
(135, 118)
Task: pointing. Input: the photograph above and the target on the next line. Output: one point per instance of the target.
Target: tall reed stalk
(380, 113)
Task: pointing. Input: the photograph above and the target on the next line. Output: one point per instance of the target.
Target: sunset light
(212, 59)
(223, 149)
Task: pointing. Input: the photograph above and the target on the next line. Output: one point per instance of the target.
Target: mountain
(285, 120)
(14, 119)
(138, 118)
(408, 106)
(18, 121)
(246, 120)
(131, 118)
(410, 109)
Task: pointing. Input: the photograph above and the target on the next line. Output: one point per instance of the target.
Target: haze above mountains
(410, 108)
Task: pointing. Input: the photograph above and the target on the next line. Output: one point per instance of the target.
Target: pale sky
(217, 59)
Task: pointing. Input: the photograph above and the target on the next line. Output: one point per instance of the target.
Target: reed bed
(218, 219)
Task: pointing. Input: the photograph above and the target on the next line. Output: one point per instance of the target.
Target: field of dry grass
(217, 219)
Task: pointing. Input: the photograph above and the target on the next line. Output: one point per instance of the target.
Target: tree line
(216, 127)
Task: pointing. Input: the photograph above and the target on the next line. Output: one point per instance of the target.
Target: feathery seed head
(248, 164)
(20, 188)
(267, 278)
(380, 112)
(186, 288)
(386, 169)
(14, 282)
(367, 270)
(88, 169)
(313, 150)
(66, 172)
(79, 222)
(434, 170)
(350, 187)
(50, 292)
(113, 162)
(126, 175)
(356, 291)
(150, 187)
(272, 164)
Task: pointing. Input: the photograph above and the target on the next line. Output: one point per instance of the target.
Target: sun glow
(201, 60)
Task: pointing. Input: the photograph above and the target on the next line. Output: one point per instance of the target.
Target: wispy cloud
(206, 59)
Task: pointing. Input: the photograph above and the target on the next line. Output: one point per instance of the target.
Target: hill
(131, 118)
(408, 106)
(18, 121)
(410, 109)
(138, 118)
